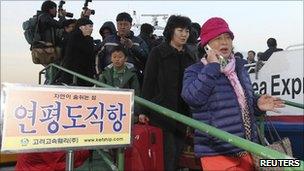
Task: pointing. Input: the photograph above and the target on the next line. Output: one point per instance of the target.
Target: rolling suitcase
(146, 151)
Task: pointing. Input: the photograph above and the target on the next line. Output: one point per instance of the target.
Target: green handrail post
(50, 73)
(69, 161)
(225, 136)
(43, 71)
(40, 73)
(121, 158)
(74, 79)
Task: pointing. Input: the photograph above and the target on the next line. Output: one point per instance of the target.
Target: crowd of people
(174, 71)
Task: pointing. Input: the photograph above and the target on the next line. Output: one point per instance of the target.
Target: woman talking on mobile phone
(219, 92)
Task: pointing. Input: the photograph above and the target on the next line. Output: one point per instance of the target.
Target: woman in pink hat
(219, 93)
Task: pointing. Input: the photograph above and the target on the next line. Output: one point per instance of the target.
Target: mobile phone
(222, 60)
(207, 47)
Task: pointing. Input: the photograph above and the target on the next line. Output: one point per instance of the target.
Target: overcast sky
(252, 22)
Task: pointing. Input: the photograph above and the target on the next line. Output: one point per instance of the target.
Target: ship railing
(242, 143)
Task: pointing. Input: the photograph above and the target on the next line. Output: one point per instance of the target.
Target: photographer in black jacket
(48, 29)
(79, 53)
(47, 25)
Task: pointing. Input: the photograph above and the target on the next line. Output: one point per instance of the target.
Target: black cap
(83, 22)
(68, 22)
(47, 5)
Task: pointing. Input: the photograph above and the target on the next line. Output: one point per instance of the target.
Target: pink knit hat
(213, 28)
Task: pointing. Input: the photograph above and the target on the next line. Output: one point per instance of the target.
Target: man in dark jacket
(69, 26)
(163, 84)
(79, 55)
(146, 33)
(136, 48)
(272, 47)
(47, 25)
(47, 29)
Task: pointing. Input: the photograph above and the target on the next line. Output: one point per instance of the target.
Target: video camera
(85, 6)
(68, 14)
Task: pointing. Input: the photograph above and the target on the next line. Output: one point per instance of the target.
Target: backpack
(30, 28)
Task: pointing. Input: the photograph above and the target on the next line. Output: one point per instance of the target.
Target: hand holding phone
(220, 58)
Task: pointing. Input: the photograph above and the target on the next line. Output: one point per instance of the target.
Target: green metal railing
(290, 103)
(225, 136)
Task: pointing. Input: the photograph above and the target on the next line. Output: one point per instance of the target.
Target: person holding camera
(79, 55)
(48, 30)
(136, 48)
(47, 25)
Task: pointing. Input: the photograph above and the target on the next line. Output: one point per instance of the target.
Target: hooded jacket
(108, 25)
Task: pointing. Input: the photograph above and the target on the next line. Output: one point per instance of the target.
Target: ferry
(282, 76)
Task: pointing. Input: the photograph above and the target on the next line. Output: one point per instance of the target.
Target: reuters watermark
(280, 163)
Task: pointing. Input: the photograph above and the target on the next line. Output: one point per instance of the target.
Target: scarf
(229, 71)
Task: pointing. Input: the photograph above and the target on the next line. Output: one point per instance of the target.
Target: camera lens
(92, 12)
(70, 15)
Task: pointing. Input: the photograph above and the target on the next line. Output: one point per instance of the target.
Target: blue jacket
(137, 55)
(212, 100)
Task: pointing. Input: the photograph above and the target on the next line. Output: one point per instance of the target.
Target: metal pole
(69, 160)
(74, 80)
(121, 160)
(50, 73)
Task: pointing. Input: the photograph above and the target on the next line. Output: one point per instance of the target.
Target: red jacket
(48, 161)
